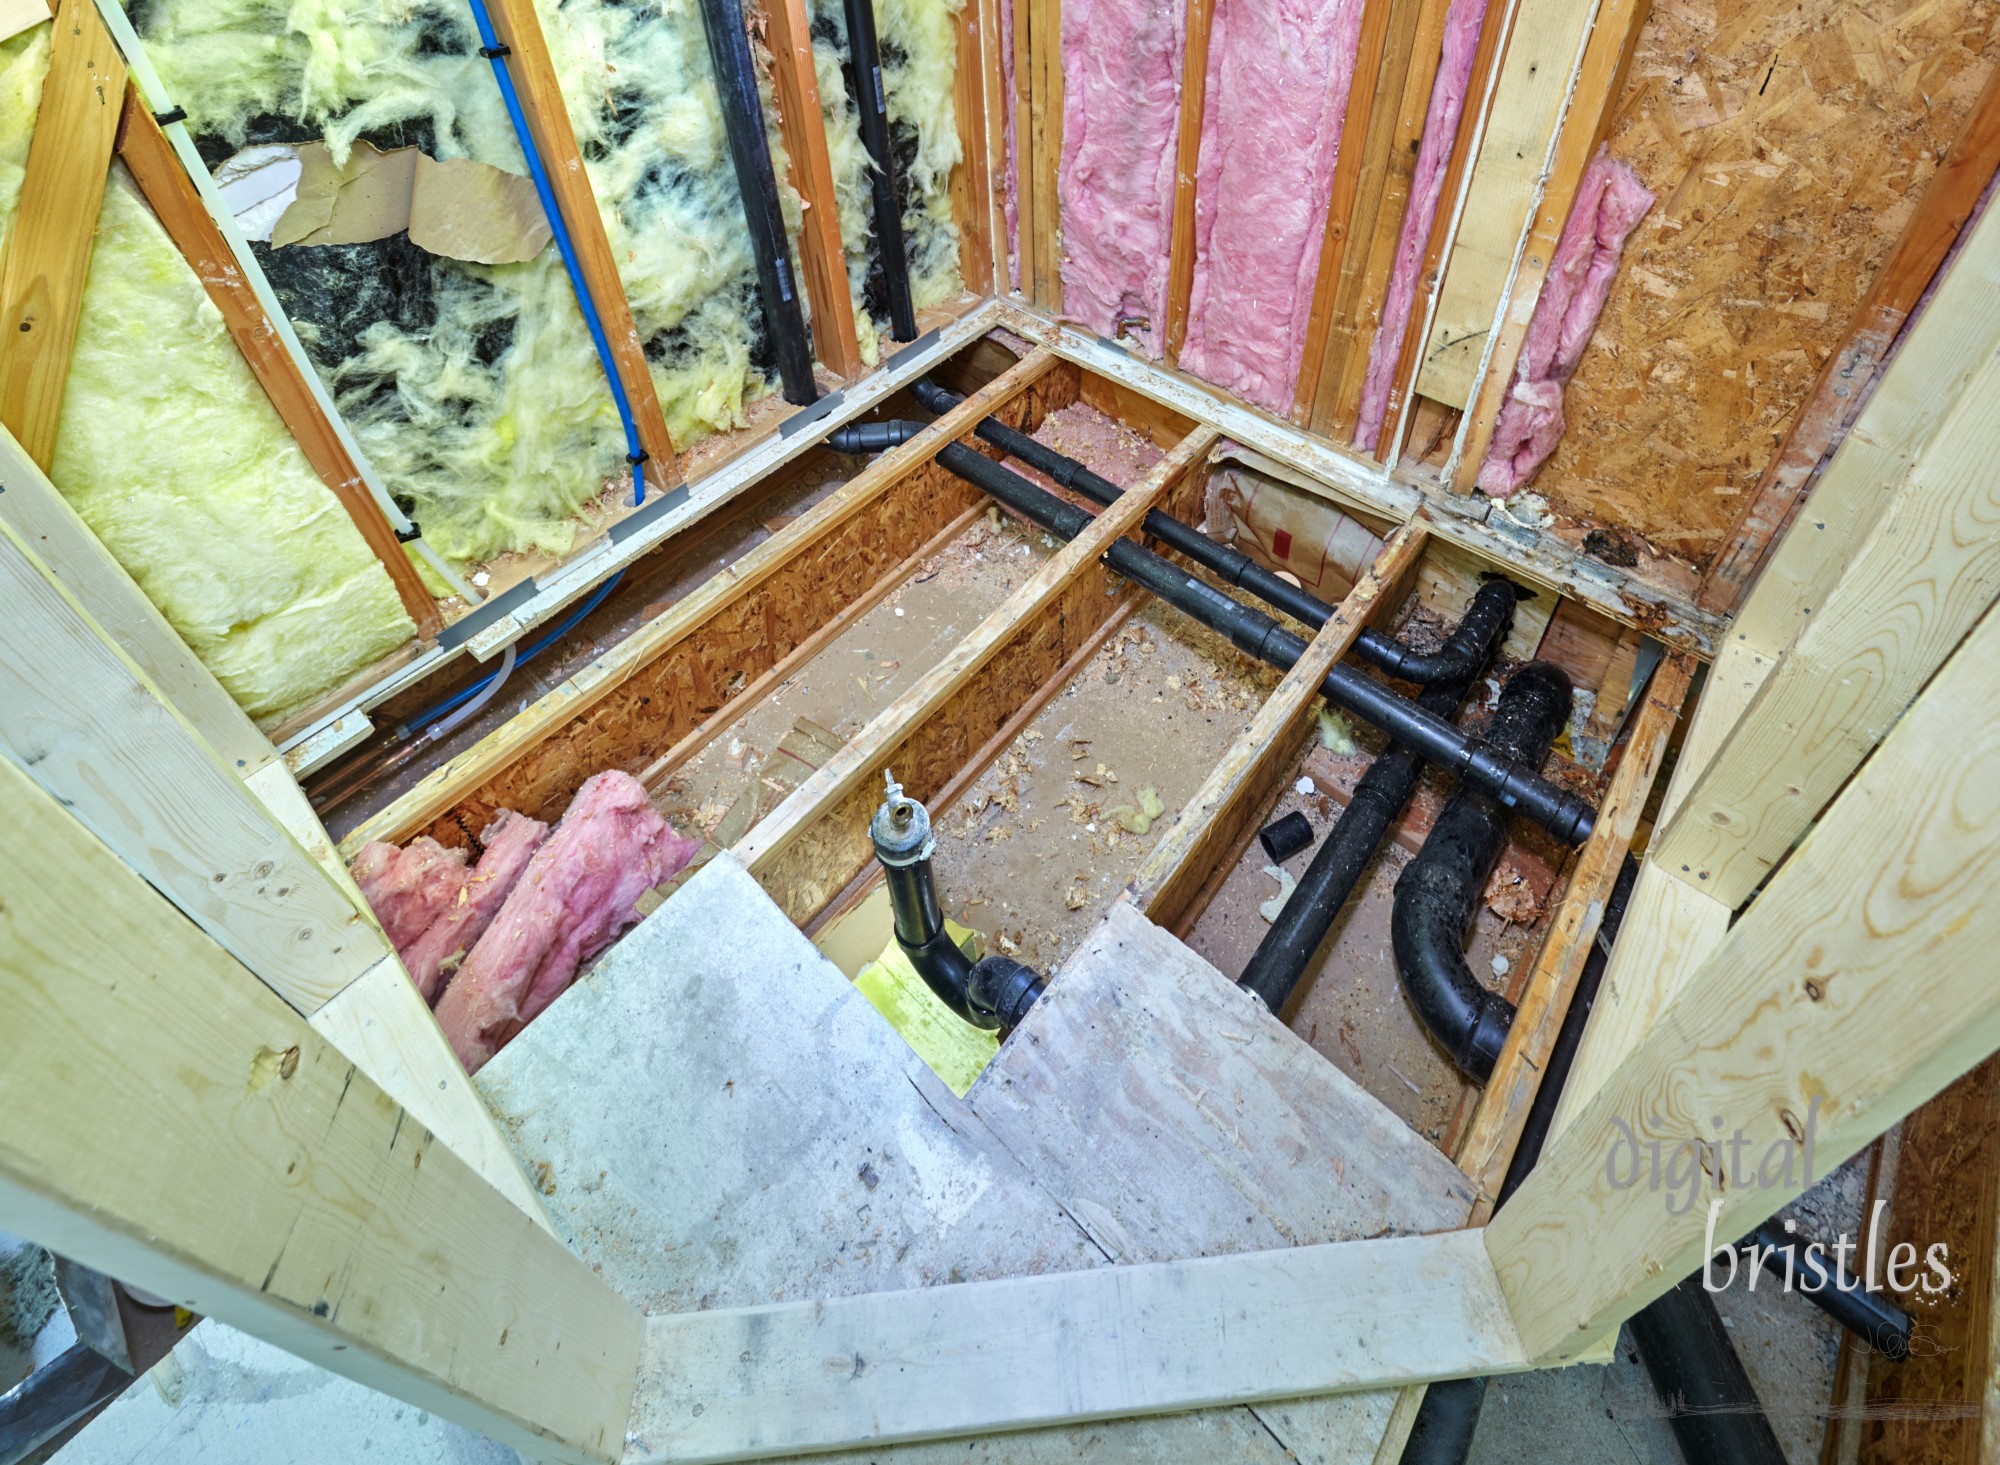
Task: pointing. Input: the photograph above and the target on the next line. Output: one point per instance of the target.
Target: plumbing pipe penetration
(750, 151)
(415, 733)
(1438, 893)
(864, 84)
(1251, 631)
(1711, 1405)
(1224, 561)
(497, 54)
(1281, 958)
(994, 992)
(1689, 1357)
(1842, 1296)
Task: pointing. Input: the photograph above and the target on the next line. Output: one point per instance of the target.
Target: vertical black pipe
(1281, 958)
(864, 81)
(1438, 893)
(1686, 1351)
(750, 151)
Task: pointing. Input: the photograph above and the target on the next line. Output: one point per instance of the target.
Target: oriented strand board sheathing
(1278, 77)
(1788, 143)
(1121, 115)
(175, 458)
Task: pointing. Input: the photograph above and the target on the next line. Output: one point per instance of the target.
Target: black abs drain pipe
(750, 151)
(1224, 561)
(994, 992)
(1438, 892)
(864, 83)
(1280, 961)
(1432, 737)
(1695, 1370)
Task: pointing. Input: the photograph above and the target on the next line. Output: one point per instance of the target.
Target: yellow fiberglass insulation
(919, 52)
(641, 97)
(173, 455)
(474, 388)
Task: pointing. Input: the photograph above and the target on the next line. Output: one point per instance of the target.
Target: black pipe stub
(1287, 837)
(994, 992)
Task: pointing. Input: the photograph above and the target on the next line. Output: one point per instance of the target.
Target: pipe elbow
(1436, 899)
(932, 397)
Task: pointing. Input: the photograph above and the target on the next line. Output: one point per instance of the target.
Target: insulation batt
(1462, 25)
(409, 888)
(1121, 118)
(919, 46)
(575, 897)
(1278, 77)
(917, 43)
(220, 518)
(473, 388)
(1609, 205)
(507, 845)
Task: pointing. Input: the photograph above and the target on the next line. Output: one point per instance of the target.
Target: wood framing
(713, 650)
(55, 224)
(814, 842)
(1158, 1337)
(1520, 135)
(1857, 986)
(1488, 1148)
(1842, 387)
(971, 180)
(1534, 557)
(348, 1236)
(93, 730)
(46, 524)
(1937, 358)
(822, 257)
(171, 193)
(1166, 887)
(1600, 81)
(534, 74)
(1347, 195)
(1187, 160)
(1444, 231)
(1382, 132)
(1915, 588)
(1038, 76)
(1670, 927)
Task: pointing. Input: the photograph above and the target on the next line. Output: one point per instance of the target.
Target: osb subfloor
(1047, 836)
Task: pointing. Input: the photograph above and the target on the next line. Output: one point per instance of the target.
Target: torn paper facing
(459, 208)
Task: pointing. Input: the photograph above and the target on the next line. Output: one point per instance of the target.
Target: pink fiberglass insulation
(1010, 172)
(1278, 77)
(1121, 121)
(409, 888)
(1462, 24)
(1609, 205)
(575, 898)
(509, 842)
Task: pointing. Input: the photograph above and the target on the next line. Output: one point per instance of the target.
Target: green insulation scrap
(173, 455)
(919, 52)
(641, 97)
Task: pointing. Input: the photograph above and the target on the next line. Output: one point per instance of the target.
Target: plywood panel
(1788, 143)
